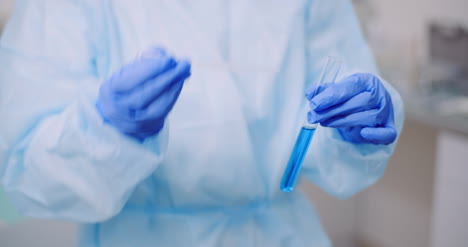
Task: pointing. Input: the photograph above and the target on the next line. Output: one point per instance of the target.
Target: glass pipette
(307, 131)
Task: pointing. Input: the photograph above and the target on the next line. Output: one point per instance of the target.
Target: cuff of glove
(154, 141)
(157, 143)
(141, 136)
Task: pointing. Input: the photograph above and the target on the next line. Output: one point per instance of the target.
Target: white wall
(450, 217)
(407, 18)
(38, 233)
(397, 210)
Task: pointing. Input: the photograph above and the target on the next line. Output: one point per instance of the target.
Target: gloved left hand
(137, 98)
(359, 106)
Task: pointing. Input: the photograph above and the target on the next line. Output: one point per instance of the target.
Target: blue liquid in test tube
(307, 132)
(297, 156)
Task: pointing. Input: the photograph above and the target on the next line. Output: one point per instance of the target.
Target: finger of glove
(107, 105)
(337, 93)
(352, 134)
(131, 121)
(379, 135)
(364, 118)
(361, 102)
(161, 106)
(139, 71)
(146, 93)
(314, 89)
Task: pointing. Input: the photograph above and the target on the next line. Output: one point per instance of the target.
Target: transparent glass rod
(291, 173)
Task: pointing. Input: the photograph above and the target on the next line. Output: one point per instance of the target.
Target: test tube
(307, 131)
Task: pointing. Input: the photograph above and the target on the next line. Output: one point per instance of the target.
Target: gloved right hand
(359, 106)
(137, 98)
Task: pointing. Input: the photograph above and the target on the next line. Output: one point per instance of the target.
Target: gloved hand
(137, 99)
(359, 106)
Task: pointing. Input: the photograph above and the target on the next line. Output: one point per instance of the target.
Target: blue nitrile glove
(137, 99)
(359, 106)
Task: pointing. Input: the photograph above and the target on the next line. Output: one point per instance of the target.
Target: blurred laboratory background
(421, 47)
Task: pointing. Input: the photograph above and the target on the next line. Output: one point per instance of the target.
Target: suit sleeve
(341, 168)
(58, 159)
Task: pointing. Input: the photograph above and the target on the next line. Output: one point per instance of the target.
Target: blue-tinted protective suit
(210, 177)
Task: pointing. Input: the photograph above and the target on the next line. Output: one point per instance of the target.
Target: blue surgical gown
(211, 177)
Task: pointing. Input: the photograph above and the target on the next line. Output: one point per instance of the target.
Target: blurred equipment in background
(447, 69)
(443, 84)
